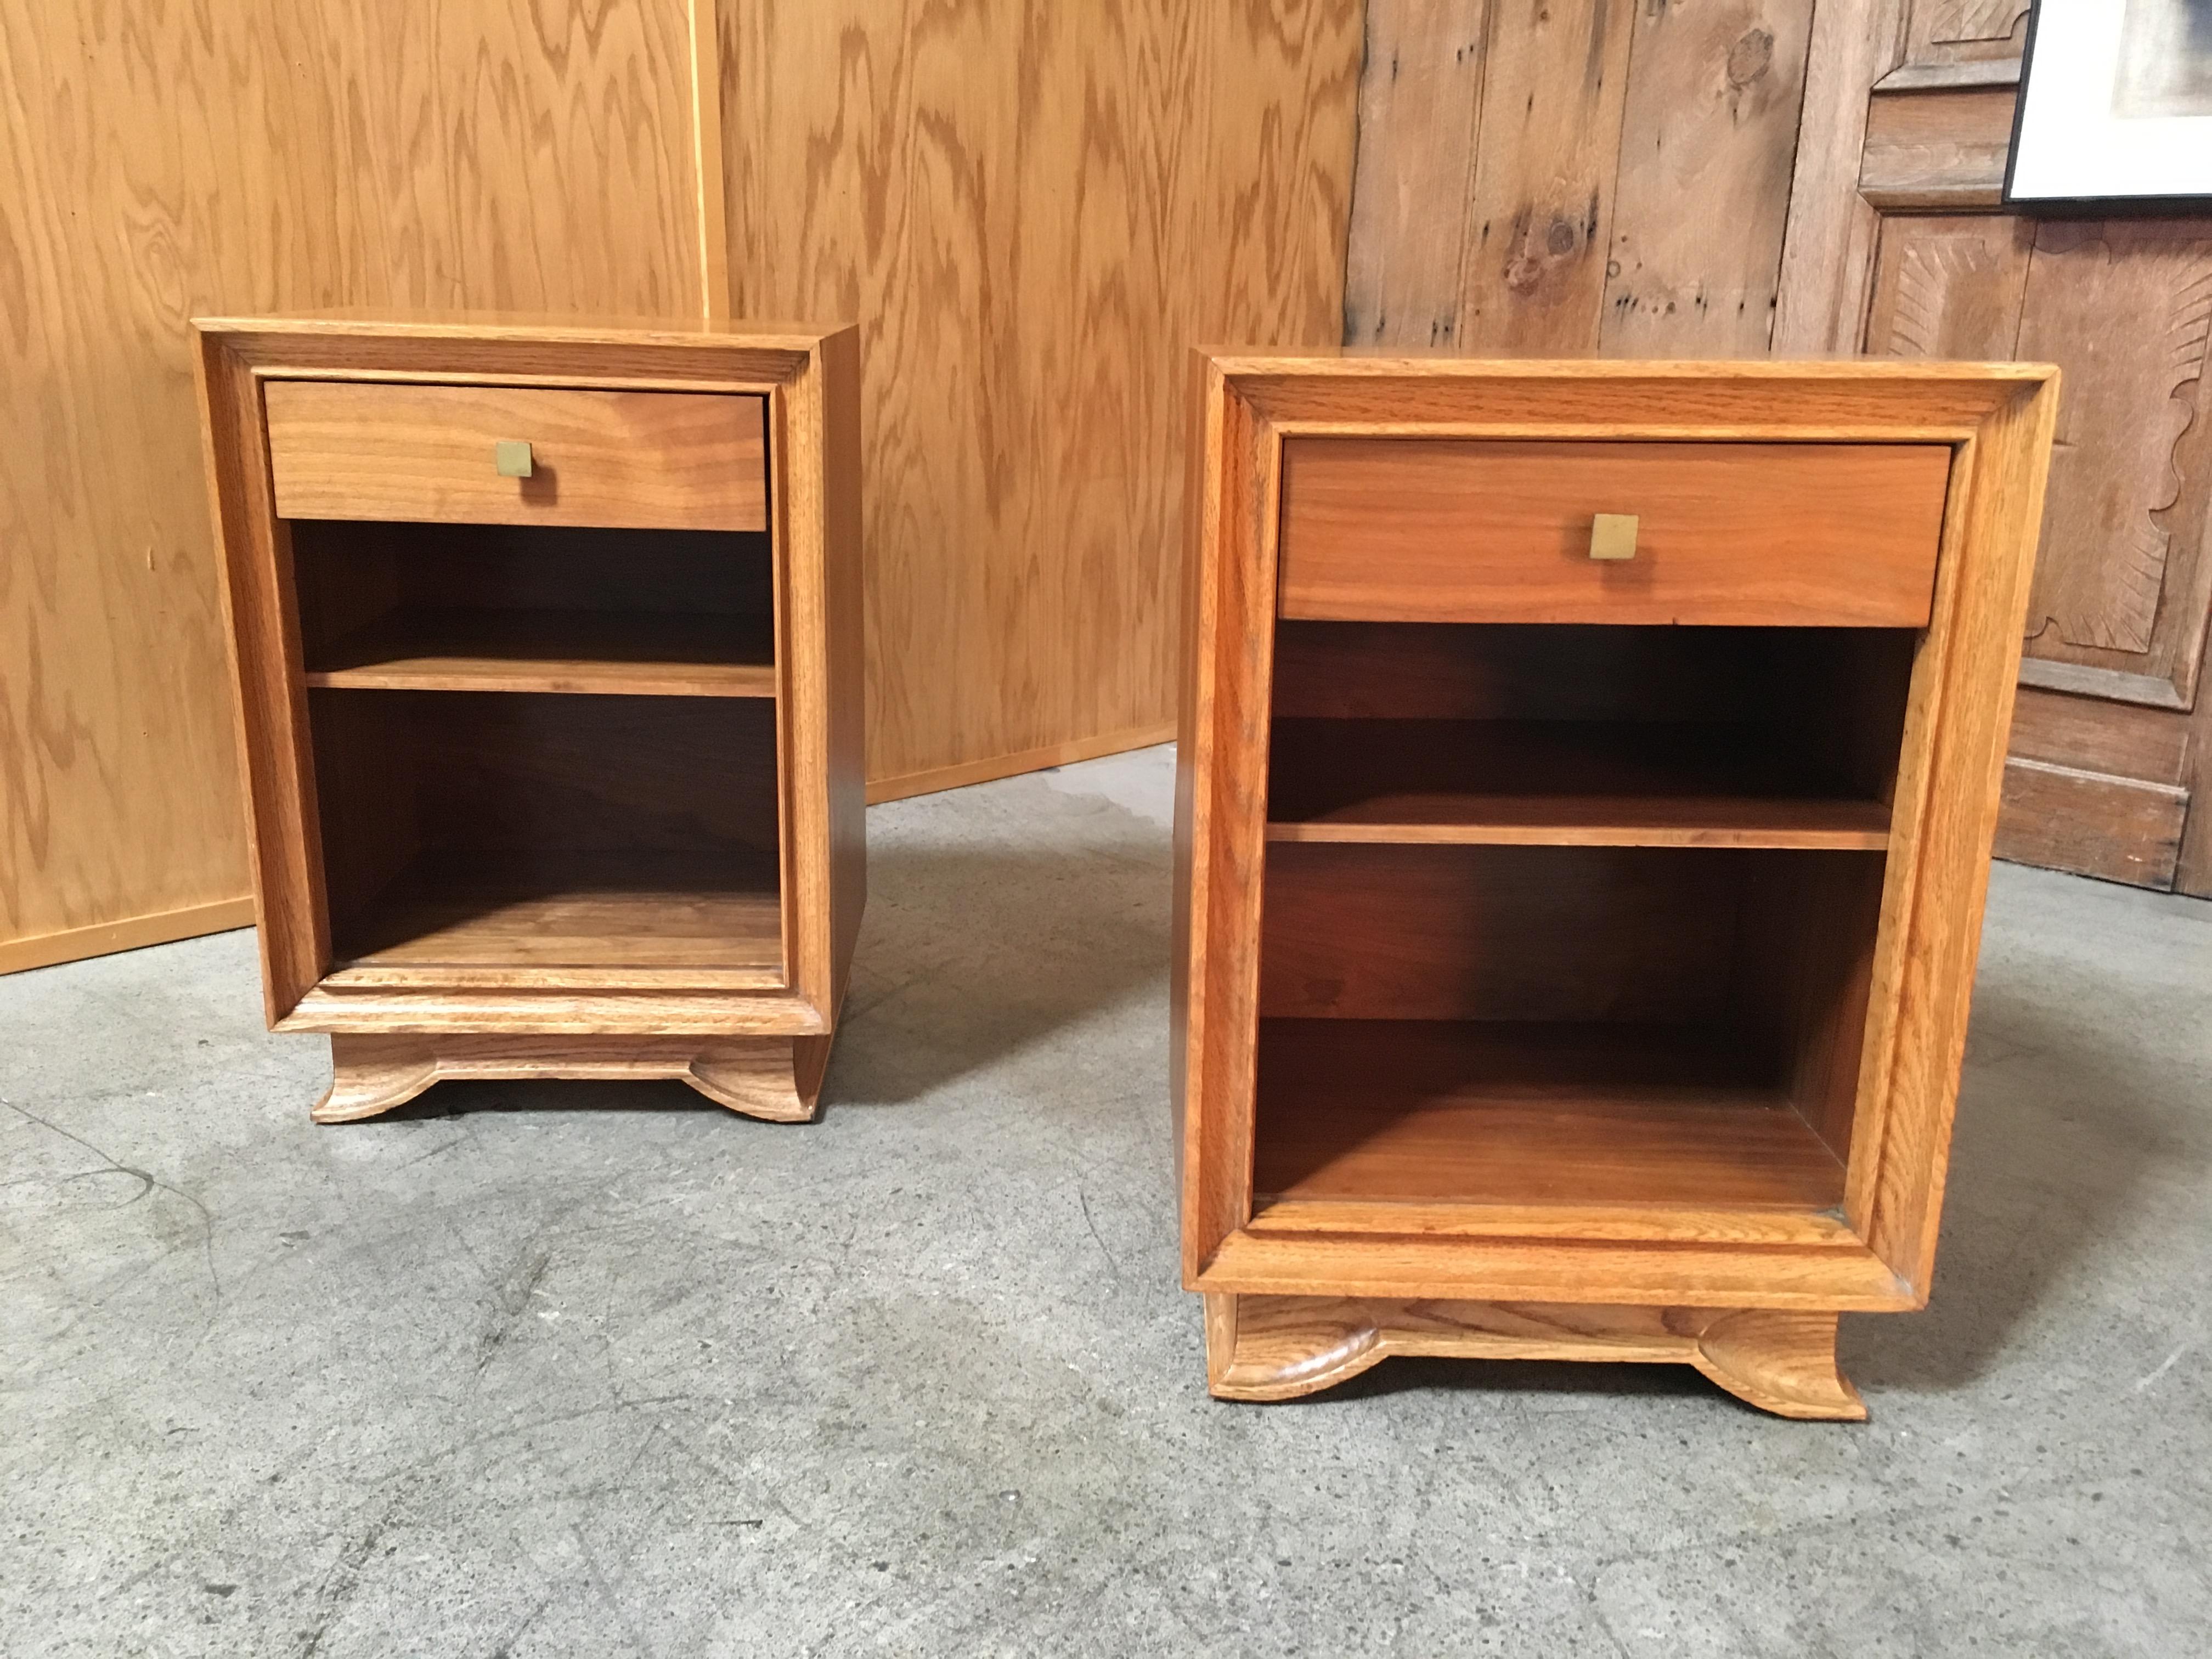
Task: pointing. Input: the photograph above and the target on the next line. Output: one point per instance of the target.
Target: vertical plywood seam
(710, 215)
(1358, 143)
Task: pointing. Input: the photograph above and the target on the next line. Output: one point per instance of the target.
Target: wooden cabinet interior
(1573, 964)
(552, 696)
(1624, 736)
(1559, 1024)
(435, 607)
(532, 831)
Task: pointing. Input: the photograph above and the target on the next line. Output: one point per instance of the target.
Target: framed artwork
(2115, 107)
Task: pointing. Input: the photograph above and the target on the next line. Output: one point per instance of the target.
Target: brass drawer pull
(1613, 536)
(511, 456)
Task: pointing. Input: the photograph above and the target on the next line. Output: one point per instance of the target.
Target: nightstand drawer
(1450, 530)
(671, 460)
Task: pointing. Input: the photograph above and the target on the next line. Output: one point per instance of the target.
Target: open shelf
(1566, 1027)
(1530, 1113)
(655, 910)
(1591, 783)
(525, 608)
(642, 653)
(588, 837)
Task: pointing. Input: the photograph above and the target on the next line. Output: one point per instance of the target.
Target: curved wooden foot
(776, 1078)
(1256, 1348)
(1278, 1347)
(779, 1080)
(1783, 1363)
(371, 1075)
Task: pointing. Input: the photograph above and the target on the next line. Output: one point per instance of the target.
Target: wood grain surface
(661, 460)
(1827, 248)
(1566, 178)
(1936, 147)
(2126, 475)
(1546, 158)
(1420, 108)
(476, 880)
(1714, 94)
(2123, 573)
(1841, 978)
(2100, 823)
(613, 654)
(1745, 534)
(1717, 1271)
(1034, 212)
(604, 913)
(1574, 933)
(1593, 783)
(162, 159)
(1496, 1112)
(778, 1078)
(1278, 1347)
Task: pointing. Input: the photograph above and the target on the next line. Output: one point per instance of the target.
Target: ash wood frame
(1878, 1253)
(453, 1023)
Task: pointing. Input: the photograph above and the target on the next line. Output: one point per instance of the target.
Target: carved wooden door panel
(1897, 244)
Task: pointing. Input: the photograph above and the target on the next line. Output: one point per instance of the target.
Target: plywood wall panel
(1034, 209)
(160, 159)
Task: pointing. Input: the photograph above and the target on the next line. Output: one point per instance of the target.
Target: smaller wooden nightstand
(1588, 774)
(548, 644)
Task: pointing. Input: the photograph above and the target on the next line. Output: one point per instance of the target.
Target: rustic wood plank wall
(1900, 244)
(1608, 176)
(1663, 178)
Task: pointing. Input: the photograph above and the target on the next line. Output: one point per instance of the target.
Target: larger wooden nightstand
(1587, 782)
(548, 644)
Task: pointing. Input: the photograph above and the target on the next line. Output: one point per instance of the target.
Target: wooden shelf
(1606, 783)
(604, 912)
(1471, 1112)
(640, 654)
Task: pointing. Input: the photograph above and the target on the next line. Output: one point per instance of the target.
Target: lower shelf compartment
(1480, 1112)
(601, 911)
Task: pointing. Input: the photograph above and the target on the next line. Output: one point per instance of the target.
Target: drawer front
(1448, 530)
(670, 460)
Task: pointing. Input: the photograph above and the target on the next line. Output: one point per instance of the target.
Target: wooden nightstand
(548, 644)
(1588, 775)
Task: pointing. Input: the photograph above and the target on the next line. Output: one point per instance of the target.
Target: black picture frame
(2084, 207)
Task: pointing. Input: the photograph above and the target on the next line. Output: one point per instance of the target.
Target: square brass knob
(512, 456)
(1613, 536)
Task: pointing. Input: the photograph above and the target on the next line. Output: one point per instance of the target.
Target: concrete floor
(583, 1370)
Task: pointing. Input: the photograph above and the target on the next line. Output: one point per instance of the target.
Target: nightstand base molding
(779, 1078)
(1278, 1347)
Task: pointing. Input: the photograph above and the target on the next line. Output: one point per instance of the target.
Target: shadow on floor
(1415, 1373)
(2059, 1125)
(970, 957)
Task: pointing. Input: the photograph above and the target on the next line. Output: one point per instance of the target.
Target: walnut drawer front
(673, 460)
(1743, 534)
